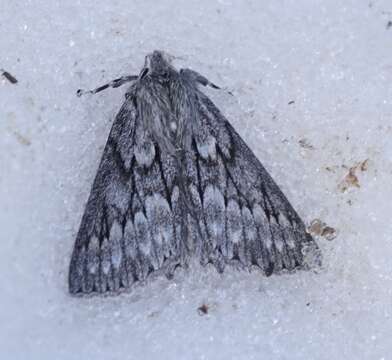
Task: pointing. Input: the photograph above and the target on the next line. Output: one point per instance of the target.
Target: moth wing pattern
(132, 223)
(177, 181)
(245, 217)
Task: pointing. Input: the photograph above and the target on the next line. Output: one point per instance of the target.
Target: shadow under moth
(176, 182)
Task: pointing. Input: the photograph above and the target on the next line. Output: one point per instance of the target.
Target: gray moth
(176, 182)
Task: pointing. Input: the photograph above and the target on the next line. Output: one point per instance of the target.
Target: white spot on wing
(105, 258)
(279, 243)
(93, 249)
(195, 196)
(249, 225)
(214, 207)
(129, 239)
(283, 221)
(175, 194)
(259, 215)
(234, 222)
(263, 225)
(118, 195)
(287, 230)
(207, 148)
(142, 233)
(159, 218)
(94, 244)
(145, 153)
(115, 241)
(173, 126)
(290, 242)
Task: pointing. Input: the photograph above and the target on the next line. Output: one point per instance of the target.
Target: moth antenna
(113, 84)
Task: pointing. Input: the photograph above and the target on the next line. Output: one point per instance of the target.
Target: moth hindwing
(176, 181)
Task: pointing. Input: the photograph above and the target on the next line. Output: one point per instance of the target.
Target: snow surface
(332, 58)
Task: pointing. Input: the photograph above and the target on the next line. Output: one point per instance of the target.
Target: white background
(333, 58)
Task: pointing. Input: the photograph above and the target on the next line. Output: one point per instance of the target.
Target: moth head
(158, 62)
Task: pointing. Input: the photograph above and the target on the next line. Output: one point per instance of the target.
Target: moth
(176, 182)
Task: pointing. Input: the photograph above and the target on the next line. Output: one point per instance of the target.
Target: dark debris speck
(12, 79)
(203, 309)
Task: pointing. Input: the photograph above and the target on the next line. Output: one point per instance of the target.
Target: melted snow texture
(332, 58)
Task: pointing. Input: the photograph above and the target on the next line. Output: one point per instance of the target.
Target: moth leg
(113, 84)
(202, 80)
(195, 76)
